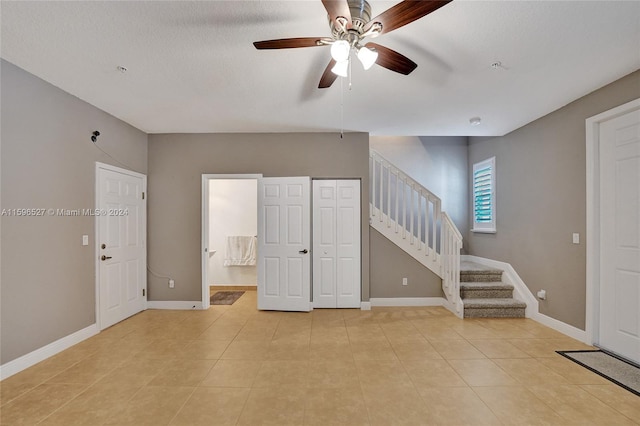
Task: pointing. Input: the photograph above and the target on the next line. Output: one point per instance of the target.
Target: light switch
(85, 240)
(576, 238)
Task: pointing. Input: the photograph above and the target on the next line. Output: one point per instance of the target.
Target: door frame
(206, 177)
(592, 320)
(109, 167)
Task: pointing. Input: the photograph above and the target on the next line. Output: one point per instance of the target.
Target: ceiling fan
(350, 22)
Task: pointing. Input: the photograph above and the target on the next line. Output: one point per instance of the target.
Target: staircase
(484, 295)
(410, 216)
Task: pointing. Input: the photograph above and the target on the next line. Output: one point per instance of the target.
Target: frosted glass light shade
(341, 68)
(367, 57)
(340, 50)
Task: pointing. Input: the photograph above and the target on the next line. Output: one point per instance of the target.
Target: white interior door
(336, 244)
(122, 274)
(620, 235)
(349, 247)
(325, 247)
(284, 233)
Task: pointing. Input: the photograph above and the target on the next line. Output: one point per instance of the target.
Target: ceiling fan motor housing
(360, 16)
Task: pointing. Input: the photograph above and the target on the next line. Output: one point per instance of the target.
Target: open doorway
(229, 231)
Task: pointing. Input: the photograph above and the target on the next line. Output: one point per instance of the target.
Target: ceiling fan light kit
(350, 23)
(367, 57)
(340, 50)
(341, 69)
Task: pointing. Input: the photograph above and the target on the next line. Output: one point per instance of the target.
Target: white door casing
(336, 244)
(284, 233)
(620, 235)
(121, 244)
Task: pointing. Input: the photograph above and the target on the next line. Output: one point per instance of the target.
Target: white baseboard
(407, 301)
(522, 292)
(179, 305)
(17, 365)
(365, 306)
(561, 327)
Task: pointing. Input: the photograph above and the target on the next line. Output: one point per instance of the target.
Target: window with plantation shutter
(484, 196)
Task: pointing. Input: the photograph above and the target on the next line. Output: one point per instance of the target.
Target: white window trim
(490, 227)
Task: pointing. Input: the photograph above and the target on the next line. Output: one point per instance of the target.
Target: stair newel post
(388, 197)
(397, 197)
(427, 201)
(380, 188)
(445, 262)
(412, 189)
(404, 206)
(419, 213)
(456, 265)
(373, 185)
(437, 217)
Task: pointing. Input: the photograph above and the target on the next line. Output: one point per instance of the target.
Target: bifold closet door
(336, 243)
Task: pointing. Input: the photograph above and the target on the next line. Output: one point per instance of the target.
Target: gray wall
(541, 200)
(389, 264)
(176, 165)
(48, 161)
(437, 163)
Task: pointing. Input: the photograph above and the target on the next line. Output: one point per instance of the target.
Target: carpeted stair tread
(474, 272)
(493, 303)
(485, 295)
(491, 285)
(486, 290)
(467, 267)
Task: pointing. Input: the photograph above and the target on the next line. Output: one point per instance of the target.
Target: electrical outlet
(172, 283)
(405, 281)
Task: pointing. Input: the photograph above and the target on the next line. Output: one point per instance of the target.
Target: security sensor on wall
(94, 136)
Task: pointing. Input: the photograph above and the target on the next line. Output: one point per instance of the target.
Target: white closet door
(324, 244)
(348, 241)
(336, 244)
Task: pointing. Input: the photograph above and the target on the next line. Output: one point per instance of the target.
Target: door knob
(305, 251)
(105, 257)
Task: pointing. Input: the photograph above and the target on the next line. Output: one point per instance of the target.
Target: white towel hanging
(241, 251)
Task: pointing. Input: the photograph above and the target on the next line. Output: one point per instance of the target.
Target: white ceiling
(192, 66)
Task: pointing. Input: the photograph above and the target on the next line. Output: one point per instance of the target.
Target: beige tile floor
(234, 365)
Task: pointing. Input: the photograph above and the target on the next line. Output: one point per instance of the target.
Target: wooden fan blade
(392, 60)
(336, 8)
(328, 77)
(289, 43)
(405, 13)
